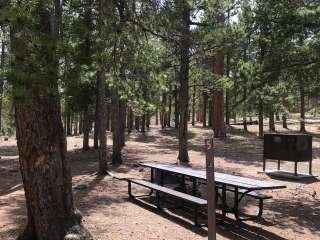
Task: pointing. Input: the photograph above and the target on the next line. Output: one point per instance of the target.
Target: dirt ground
(293, 213)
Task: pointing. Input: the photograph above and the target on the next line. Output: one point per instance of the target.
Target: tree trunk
(148, 121)
(86, 123)
(218, 100)
(76, 124)
(44, 166)
(108, 117)
(210, 114)
(271, 121)
(2, 80)
(163, 119)
(228, 92)
(143, 123)
(96, 127)
(184, 81)
(169, 107)
(122, 120)
(117, 154)
(101, 108)
(204, 111)
(137, 123)
(302, 107)
(245, 125)
(193, 105)
(260, 113)
(68, 122)
(176, 108)
(80, 123)
(157, 116)
(130, 120)
(284, 121)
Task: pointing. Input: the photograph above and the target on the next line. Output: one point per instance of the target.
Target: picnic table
(240, 186)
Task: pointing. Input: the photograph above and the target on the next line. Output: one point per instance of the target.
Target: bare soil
(293, 213)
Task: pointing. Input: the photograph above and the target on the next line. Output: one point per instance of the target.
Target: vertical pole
(310, 167)
(211, 191)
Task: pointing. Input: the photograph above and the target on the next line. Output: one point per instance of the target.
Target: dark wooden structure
(288, 147)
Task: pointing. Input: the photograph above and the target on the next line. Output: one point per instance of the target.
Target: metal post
(310, 167)
(211, 203)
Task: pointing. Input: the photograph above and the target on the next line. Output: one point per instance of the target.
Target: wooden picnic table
(241, 186)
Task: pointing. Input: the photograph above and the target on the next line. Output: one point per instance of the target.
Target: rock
(6, 139)
(81, 186)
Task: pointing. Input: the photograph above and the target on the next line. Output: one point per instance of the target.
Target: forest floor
(293, 213)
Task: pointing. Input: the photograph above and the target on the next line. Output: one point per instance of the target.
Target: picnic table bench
(196, 201)
(239, 186)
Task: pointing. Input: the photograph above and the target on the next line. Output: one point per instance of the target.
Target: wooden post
(211, 198)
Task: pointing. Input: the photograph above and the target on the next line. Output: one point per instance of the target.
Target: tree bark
(245, 125)
(204, 111)
(157, 116)
(169, 107)
(260, 113)
(68, 121)
(75, 128)
(108, 117)
(86, 123)
(284, 121)
(218, 100)
(228, 92)
(101, 112)
(148, 121)
(143, 123)
(80, 123)
(271, 121)
(117, 154)
(41, 141)
(96, 127)
(137, 123)
(2, 80)
(122, 120)
(163, 119)
(176, 108)
(130, 120)
(302, 107)
(184, 81)
(193, 117)
(210, 114)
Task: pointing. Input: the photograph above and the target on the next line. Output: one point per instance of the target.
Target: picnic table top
(220, 178)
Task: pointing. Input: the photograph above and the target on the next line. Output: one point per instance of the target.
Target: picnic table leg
(295, 168)
(236, 209)
(224, 202)
(236, 204)
(183, 183)
(161, 178)
(194, 186)
(264, 164)
(278, 165)
(310, 167)
(158, 200)
(196, 210)
(152, 180)
(129, 190)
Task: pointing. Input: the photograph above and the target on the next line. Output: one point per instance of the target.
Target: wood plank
(168, 191)
(220, 178)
